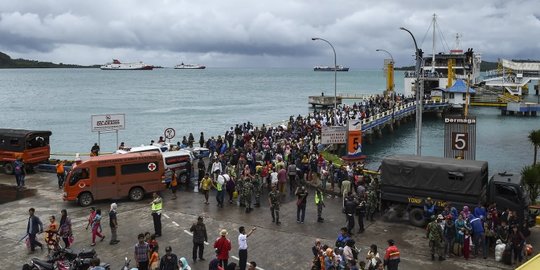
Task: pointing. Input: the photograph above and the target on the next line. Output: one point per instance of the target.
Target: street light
(390, 75)
(419, 95)
(335, 68)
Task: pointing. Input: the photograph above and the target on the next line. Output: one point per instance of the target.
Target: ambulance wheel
(85, 199)
(136, 194)
(416, 217)
(8, 168)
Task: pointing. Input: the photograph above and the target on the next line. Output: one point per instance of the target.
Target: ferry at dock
(441, 70)
(117, 65)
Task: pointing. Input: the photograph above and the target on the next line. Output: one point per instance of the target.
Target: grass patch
(336, 160)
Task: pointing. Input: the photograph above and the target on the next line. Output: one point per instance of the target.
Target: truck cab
(506, 190)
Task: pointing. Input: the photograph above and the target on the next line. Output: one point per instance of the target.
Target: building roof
(459, 87)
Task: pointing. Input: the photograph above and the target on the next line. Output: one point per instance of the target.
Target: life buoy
(82, 185)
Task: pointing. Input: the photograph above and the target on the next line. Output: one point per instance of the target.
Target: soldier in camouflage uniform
(435, 236)
(273, 200)
(248, 191)
(371, 204)
(240, 189)
(257, 189)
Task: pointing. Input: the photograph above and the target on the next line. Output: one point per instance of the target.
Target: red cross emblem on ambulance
(152, 167)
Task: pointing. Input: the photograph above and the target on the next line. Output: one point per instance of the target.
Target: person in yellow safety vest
(157, 205)
(319, 201)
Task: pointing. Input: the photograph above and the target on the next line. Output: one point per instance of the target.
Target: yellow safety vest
(318, 198)
(156, 207)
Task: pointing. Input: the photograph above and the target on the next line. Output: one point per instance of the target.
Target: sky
(262, 33)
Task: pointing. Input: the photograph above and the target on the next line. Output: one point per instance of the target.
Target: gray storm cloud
(257, 33)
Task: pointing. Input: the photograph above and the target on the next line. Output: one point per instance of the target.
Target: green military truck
(407, 180)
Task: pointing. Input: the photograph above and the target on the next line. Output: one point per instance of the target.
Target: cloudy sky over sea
(246, 33)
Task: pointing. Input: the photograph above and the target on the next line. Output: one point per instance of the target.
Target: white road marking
(166, 216)
(188, 232)
(236, 258)
(177, 225)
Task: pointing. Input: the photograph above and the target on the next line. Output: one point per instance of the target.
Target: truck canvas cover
(464, 177)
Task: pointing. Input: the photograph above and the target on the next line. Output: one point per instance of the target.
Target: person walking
(391, 257)
(319, 201)
(19, 170)
(248, 191)
(156, 207)
(223, 246)
(301, 202)
(201, 139)
(60, 173)
(96, 227)
(206, 184)
(435, 236)
(361, 212)
(142, 252)
(371, 204)
(199, 237)
(65, 230)
(113, 223)
(243, 246)
(201, 166)
(169, 261)
(33, 228)
(273, 201)
(350, 208)
(218, 185)
(291, 173)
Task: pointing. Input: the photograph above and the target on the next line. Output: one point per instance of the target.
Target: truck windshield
(78, 174)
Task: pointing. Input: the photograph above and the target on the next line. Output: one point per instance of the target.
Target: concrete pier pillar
(391, 128)
(378, 133)
(398, 123)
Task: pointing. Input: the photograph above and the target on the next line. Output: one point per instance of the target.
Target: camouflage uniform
(435, 235)
(273, 198)
(247, 192)
(240, 189)
(371, 204)
(257, 189)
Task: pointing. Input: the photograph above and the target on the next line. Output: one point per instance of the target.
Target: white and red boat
(116, 65)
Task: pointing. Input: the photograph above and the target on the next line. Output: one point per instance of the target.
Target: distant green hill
(7, 62)
(485, 66)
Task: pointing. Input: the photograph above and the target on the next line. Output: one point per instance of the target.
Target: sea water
(215, 99)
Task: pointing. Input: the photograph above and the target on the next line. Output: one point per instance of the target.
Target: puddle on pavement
(11, 193)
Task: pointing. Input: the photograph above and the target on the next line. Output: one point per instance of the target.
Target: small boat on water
(189, 66)
(328, 68)
(116, 65)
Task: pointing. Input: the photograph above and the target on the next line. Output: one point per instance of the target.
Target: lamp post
(419, 95)
(390, 73)
(335, 68)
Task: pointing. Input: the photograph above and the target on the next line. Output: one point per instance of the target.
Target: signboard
(169, 133)
(333, 135)
(354, 138)
(460, 137)
(108, 122)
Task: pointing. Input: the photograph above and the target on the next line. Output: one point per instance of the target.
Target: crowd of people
(345, 255)
(466, 233)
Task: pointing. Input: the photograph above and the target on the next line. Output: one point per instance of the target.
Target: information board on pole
(333, 135)
(108, 122)
(354, 138)
(460, 137)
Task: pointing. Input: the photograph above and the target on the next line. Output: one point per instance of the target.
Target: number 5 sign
(460, 141)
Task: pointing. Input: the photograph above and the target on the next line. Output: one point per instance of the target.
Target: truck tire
(136, 194)
(8, 168)
(85, 199)
(416, 217)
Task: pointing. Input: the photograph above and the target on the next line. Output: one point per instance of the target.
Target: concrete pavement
(287, 246)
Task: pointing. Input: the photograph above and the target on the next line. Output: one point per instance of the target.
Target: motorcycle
(126, 265)
(65, 259)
